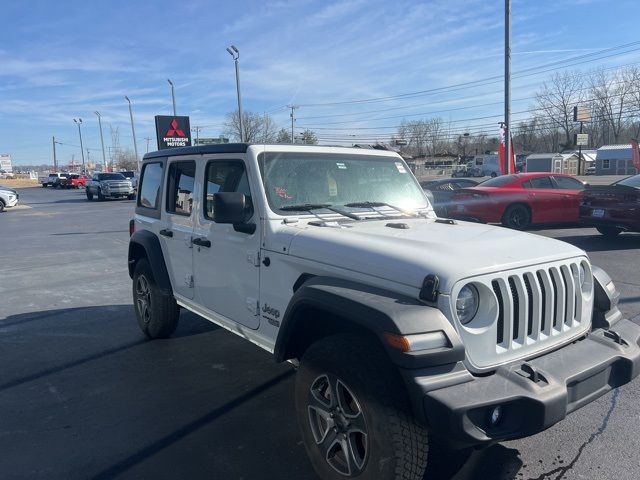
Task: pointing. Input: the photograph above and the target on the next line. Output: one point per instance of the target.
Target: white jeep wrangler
(407, 329)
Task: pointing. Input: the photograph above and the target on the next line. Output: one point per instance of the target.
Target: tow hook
(615, 336)
(532, 373)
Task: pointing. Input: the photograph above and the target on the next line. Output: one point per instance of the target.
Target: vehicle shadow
(496, 462)
(600, 243)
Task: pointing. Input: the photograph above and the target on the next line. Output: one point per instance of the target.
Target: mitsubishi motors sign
(172, 132)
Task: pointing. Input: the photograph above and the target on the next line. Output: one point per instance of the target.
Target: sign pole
(507, 84)
(55, 161)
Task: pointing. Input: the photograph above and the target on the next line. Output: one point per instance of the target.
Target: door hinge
(188, 280)
(253, 258)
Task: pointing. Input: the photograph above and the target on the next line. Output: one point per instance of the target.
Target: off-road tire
(100, 195)
(609, 231)
(516, 216)
(397, 445)
(89, 194)
(160, 319)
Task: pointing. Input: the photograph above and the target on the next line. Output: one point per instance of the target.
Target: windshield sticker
(341, 166)
(333, 186)
(282, 192)
(400, 167)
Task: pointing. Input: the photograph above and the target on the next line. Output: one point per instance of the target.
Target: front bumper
(13, 202)
(533, 395)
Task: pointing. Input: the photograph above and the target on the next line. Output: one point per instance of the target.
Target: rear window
(150, 185)
(499, 181)
(631, 181)
(111, 176)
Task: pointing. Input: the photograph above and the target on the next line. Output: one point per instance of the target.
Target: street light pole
(133, 132)
(78, 122)
(55, 160)
(104, 157)
(507, 85)
(235, 53)
(173, 97)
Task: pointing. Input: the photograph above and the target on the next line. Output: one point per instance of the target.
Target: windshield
(631, 181)
(498, 181)
(111, 176)
(337, 180)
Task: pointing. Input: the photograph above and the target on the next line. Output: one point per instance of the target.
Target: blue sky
(66, 59)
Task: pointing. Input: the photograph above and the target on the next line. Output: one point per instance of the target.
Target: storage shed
(615, 160)
(553, 162)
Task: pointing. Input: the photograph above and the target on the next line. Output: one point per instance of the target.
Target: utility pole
(133, 131)
(235, 53)
(507, 84)
(55, 160)
(148, 139)
(78, 122)
(104, 157)
(173, 97)
(292, 107)
(197, 129)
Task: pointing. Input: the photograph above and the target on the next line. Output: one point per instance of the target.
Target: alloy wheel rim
(143, 298)
(338, 425)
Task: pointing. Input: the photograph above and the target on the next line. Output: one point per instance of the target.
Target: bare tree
(556, 100)
(611, 93)
(257, 127)
(283, 136)
(309, 137)
(125, 160)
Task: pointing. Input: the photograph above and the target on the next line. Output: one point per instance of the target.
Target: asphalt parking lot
(84, 395)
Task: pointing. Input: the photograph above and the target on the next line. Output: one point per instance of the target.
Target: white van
(487, 165)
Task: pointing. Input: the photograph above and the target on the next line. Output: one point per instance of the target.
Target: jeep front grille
(537, 304)
(525, 311)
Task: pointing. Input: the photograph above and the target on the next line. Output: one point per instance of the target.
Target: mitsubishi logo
(174, 131)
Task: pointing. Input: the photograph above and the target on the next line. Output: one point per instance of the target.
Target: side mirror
(233, 208)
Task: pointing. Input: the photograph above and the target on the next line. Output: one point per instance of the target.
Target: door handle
(166, 233)
(201, 242)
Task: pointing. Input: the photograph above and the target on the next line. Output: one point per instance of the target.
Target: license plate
(598, 212)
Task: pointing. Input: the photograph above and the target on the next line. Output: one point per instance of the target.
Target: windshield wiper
(373, 205)
(307, 207)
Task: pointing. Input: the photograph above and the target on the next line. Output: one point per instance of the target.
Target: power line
(493, 79)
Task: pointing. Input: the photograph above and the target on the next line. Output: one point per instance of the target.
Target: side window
(566, 183)
(150, 185)
(526, 184)
(541, 182)
(180, 187)
(224, 176)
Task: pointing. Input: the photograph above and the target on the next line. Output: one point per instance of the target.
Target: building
(615, 160)
(553, 162)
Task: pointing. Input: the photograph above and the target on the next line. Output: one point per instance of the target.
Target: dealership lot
(84, 395)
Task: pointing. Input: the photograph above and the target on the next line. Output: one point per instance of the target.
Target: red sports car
(520, 200)
(613, 209)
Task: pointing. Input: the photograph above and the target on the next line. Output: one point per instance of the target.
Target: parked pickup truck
(74, 180)
(406, 329)
(109, 185)
(52, 179)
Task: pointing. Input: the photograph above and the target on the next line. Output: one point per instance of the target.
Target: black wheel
(100, 196)
(44, 185)
(353, 412)
(494, 174)
(131, 197)
(89, 195)
(157, 313)
(609, 231)
(1, 205)
(517, 217)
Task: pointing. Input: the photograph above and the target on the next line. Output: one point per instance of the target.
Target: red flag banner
(501, 155)
(635, 154)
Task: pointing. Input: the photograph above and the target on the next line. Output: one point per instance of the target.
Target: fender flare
(150, 244)
(375, 310)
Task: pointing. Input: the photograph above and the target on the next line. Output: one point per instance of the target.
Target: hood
(7, 189)
(407, 255)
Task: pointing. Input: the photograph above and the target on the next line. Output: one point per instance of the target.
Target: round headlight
(582, 274)
(467, 303)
